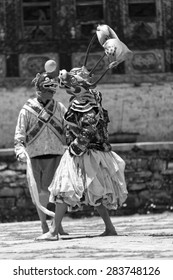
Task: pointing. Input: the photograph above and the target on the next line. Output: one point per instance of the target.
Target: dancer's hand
(22, 157)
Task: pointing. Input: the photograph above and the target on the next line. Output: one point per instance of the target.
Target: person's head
(46, 86)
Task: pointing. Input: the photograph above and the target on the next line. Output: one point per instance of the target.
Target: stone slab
(139, 237)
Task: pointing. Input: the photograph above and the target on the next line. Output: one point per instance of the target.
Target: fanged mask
(44, 83)
(76, 82)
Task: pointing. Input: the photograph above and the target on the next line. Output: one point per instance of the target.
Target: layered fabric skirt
(91, 179)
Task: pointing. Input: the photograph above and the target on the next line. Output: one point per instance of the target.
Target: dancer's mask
(80, 80)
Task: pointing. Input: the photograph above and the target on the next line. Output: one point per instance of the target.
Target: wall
(148, 172)
(25, 42)
(146, 109)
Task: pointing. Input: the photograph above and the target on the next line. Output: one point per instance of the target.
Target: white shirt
(47, 141)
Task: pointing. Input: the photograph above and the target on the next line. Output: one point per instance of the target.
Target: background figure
(40, 133)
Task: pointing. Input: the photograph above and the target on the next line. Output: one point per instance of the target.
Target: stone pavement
(139, 237)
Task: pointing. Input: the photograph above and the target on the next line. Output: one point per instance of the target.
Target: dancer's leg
(59, 214)
(109, 228)
(62, 231)
(60, 210)
(43, 170)
(44, 199)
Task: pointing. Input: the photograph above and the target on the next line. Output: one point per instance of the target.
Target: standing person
(90, 173)
(40, 133)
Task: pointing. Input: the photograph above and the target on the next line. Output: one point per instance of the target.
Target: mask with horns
(79, 80)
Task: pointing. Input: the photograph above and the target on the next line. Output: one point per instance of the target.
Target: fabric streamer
(33, 188)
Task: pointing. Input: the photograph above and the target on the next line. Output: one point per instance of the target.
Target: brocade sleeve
(87, 132)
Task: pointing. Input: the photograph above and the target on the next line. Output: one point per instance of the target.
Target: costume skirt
(95, 177)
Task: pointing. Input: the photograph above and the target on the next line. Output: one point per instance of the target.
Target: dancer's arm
(87, 123)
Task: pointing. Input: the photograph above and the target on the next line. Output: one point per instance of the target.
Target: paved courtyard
(139, 237)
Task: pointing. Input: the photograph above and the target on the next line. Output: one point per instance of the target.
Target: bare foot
(44, 227)
(109, 232)
(62, 232)
(48, 236)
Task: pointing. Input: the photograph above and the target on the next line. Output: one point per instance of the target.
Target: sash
(45, 117)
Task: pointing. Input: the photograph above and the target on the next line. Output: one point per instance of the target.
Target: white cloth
(93, 177)
(33, 188)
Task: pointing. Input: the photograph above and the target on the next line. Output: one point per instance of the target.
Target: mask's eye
(73, 80)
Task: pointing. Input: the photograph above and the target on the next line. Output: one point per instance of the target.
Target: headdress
(78, 80)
